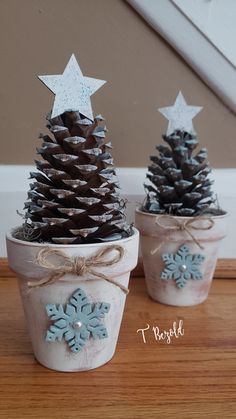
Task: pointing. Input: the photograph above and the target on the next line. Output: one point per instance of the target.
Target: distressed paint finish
(97, 352)
(168, 241)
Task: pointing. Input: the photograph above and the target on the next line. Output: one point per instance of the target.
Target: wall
(111, 42)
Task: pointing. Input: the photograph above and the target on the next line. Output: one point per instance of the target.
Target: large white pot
(57, 355)
(160, 235)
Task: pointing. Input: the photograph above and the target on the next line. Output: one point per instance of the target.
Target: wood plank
(4, 268)
(225, 268)
(192, 377)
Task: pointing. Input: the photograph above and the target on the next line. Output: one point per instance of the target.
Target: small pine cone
(180, 184)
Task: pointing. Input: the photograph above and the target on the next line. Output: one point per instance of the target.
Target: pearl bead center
(78, 324)
(183, 268)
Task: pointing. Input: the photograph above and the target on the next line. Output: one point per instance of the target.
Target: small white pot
(157, 241)
(57, 355)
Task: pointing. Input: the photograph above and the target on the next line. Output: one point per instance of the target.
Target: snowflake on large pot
(77, 321)
(182, 266)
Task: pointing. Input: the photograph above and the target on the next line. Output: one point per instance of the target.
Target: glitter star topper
(72, 90)
(180, 115)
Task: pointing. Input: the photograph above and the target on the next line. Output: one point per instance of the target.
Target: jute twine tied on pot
(77, 265)
(185, 225)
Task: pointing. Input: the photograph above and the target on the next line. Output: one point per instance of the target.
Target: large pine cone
(180, 180)
(74, 197)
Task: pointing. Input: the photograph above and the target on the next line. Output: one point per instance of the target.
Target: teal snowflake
(182, 266)
(77, 321)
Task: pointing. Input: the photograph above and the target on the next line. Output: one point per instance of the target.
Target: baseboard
(14, 184)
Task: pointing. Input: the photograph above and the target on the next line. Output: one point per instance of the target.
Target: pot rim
(63, 246)
(148, 214)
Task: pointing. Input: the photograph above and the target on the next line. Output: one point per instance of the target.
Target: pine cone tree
(74, 197)
(180, 183)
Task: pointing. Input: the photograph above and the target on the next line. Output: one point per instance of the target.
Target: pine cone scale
(179, 183)
(74, 198)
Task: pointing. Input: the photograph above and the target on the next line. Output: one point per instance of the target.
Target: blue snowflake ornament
(77, 321)
(182, 266)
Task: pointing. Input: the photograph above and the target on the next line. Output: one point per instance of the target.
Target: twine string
(77, 265)
(185, 225)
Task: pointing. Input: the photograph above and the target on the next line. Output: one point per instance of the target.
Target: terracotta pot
(161, 235)
(58, 355)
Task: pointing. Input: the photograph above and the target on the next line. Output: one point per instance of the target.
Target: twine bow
(183, 226)
(78, 265)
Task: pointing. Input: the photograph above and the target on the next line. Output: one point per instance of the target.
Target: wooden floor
(192, 377)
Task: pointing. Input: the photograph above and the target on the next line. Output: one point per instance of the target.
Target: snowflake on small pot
(182, 266)
(77, 321)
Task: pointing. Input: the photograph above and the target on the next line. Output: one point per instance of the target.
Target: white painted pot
(157, 240)
(57, 355)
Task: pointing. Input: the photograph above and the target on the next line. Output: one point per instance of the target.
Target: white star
(72, 90)
(180, 115)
